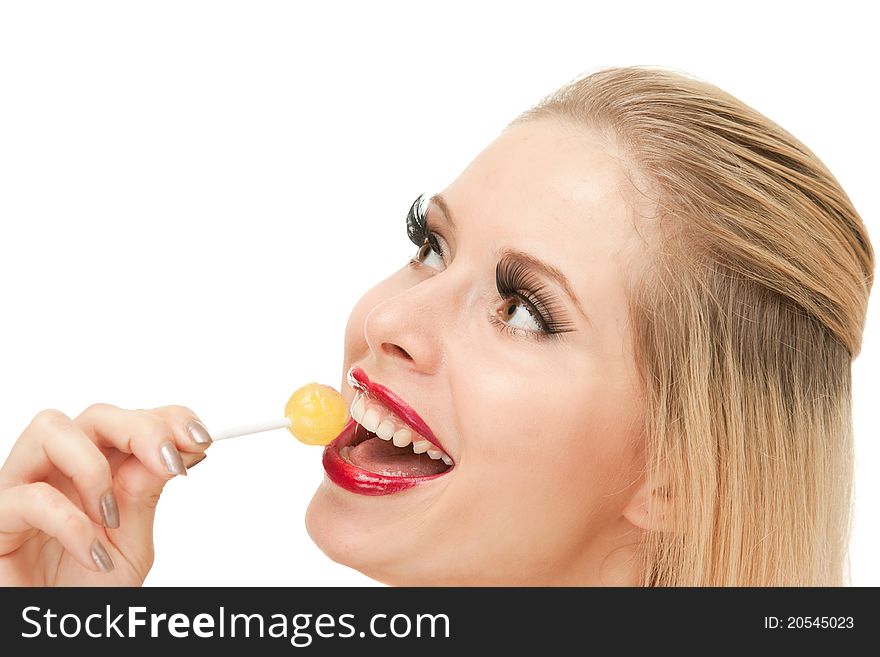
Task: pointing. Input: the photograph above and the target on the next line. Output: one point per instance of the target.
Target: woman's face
(543, 429)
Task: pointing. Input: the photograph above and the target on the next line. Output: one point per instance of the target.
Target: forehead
(545, 175)
(559, 192)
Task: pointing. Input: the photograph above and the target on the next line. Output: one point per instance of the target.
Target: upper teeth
(379, 420)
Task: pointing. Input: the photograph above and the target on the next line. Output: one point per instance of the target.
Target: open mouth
(385, 447)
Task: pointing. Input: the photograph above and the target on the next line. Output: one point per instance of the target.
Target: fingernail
(201, 458)
(171, 459)
(101, 557)
(109, 510)
(198, 432)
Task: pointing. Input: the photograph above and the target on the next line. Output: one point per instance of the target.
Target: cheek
(560, 455)
(545, 450)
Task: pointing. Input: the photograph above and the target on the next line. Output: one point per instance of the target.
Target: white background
(193, 195)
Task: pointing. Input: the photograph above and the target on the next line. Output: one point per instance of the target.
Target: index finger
(152, 439)
(191, 433)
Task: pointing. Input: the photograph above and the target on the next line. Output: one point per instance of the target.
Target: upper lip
(357, 378)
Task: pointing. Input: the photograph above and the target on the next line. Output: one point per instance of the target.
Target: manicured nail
(201, 458)
(109, 510)
(171, 459)
(198, 433)
(101, 558)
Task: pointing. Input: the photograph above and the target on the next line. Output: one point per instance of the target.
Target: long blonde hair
(746, 317)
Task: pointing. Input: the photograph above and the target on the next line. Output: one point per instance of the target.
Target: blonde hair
(745, 319)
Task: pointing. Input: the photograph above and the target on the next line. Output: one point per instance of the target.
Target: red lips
(357, 378)
(357, 480)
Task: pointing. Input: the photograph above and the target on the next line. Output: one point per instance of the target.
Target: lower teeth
(390, 460)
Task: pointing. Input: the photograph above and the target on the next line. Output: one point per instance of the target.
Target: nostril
(394, 350)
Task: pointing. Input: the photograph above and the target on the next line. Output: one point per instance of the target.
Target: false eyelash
(416, 222)
(513, 278)
(417, 226)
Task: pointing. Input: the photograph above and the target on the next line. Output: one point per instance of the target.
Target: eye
(430, 253)
(519, 314)
(529, 309)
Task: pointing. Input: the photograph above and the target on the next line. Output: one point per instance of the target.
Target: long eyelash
(416, 222)
(417, 226)
(513, 278)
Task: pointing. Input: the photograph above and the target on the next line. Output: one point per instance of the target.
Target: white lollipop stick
(250, 428)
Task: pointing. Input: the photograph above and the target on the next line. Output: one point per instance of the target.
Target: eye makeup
(515, 281)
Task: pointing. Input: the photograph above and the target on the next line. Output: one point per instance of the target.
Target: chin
(341, 534)
(379, 508)
(364, 541)
(326, 526)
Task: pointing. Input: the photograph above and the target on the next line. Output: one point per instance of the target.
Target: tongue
(383, 457)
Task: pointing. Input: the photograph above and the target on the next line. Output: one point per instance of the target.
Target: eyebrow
(527, 259)
(440, 202)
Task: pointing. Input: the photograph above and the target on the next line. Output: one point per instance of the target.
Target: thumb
(137, 492)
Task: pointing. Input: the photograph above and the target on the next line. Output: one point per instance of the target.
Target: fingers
(195, 437)
(52, 440)
(40, 506)
(162, 442)
(118, 487)
(156, 437)
(140, 487)
(138, 491)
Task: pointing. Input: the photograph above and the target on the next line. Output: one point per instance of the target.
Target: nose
(405, 330)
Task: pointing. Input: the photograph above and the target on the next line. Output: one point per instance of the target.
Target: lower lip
(357, 480)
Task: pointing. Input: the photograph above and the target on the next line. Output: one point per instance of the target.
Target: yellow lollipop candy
(315, 414)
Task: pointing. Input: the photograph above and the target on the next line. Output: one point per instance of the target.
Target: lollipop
(315, 414)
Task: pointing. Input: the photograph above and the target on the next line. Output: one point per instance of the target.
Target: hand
(78, 497)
